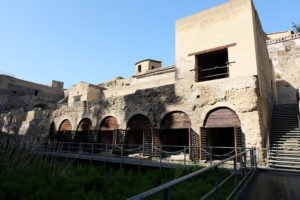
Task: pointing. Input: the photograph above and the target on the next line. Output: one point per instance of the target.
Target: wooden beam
(190, 141)
(212, 50)
(235, 143)
(200, 144)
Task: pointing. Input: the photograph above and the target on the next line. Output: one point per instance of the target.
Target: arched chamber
(221, 135)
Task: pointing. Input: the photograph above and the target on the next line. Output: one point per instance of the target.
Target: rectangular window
(77, 98)
(212, 65)
(139, 68)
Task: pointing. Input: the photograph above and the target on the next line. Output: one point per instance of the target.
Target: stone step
(291, 159)
(284, 166)
(296, 154)
(285, 162)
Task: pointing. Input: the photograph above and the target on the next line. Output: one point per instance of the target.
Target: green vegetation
(24, 176)
(277, 76)
(296, 27)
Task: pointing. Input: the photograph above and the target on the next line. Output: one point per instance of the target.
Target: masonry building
(219, 92)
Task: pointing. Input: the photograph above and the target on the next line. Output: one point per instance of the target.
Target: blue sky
(96, 40)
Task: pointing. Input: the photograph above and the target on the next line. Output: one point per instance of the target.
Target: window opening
(212, 65)
(139, 68)
(76, 99)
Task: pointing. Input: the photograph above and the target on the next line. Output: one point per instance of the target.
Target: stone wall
(16, 93)
(285, 55)
(195, 99)
(266, 76)
(85, 91)
(228, 23)
(19, 122)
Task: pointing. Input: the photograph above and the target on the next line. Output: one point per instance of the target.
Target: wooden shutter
(202, 138)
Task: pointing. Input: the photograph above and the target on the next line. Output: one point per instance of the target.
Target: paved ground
(267, 185)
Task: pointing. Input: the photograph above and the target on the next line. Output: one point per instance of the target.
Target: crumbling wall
(194, 99)
(16, 94)
(19, 122)
(266, 77)
(285, 55)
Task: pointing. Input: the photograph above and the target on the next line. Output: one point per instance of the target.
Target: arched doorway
(175, 129)
(65, 125)
(84, 130)
(64, 132)
(107, 127)
(222, 130)
(52, 132)
(138, 128)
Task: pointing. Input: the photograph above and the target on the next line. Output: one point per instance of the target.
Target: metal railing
(163, 155)
(240, 173)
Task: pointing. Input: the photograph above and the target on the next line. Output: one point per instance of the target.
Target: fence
(238, 174)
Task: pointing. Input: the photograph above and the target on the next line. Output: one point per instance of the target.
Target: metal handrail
(166, 187)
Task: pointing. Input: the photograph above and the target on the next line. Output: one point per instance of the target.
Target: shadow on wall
(287, 93)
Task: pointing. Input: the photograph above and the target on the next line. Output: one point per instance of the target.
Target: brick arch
(137, 126)
(84, 125)
(221, 128)
(175, 130)
(175, 120)
(221, 117)
(109, 123)
(65, 125)
(138, 122)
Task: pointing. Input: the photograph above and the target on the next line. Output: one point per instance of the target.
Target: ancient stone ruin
(220, 91)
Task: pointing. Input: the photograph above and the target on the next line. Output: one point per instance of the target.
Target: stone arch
(222, 117)
(64, 132)
(65, 125)
(84, 125)
(107, 127)
(175, 129)
(52, 131)
(137, 125)
(138, 122)
(222, 128)
(175, 120)
(109, 123)
(84, 131)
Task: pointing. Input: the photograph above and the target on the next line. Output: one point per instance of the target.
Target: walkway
(270, 185)
(121, 160)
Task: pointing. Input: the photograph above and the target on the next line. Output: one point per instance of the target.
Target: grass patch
(25, 176)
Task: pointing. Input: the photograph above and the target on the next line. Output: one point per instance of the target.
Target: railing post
(210, 156)
(234, 171)
(105, 148)
(160, 156)
(184, 157)
(140, 159)
(167, 194)
(121, 164)
(241, 164)
(79, 147)
(252, 157)
(69, 146)
(245, 163)
(256, 157)
(217, 197)
(92, 148)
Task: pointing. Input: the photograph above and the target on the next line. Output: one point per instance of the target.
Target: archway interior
(64, 132)
(221, 137)
(82, 133)
(175, 131)
(136, 126)
(108, 125)
(220, 126)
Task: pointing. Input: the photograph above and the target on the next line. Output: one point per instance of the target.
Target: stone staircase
(284, 150)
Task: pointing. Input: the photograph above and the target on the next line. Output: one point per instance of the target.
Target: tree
(296, 27)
